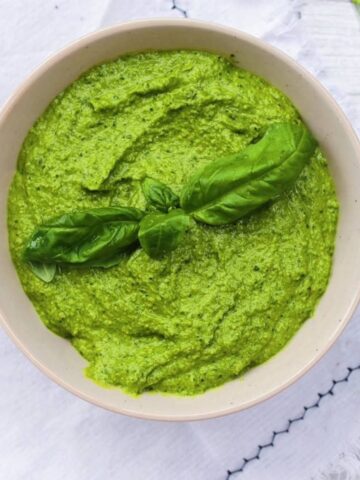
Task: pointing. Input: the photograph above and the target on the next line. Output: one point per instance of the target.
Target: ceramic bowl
(54, 355)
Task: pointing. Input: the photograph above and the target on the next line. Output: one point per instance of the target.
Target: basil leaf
(159, 196)
(46, 272)
(232, 186)
(106, 262)
(88, 237)
(162, 232)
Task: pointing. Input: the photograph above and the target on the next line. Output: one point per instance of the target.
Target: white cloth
(47, 433)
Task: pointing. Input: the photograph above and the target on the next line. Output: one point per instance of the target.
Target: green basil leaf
(45, 271)
(162, 232)
(105, 262)
(231, 187)
(88, 237)
(159, 196)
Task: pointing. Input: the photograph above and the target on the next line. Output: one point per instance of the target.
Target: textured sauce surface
(229, 297)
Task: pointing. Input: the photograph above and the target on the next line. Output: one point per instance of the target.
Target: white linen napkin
(46, 433)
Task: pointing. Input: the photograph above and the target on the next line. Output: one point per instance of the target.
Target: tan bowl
(54, 355)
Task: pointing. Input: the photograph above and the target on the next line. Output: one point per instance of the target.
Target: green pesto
(229, 297)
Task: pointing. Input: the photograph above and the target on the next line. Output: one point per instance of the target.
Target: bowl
(54, 355)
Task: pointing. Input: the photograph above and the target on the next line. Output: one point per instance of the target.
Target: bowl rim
(91, 37)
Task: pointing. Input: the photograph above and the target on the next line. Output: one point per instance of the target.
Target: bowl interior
(54, 355)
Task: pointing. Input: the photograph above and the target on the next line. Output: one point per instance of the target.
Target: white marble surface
(46, 433)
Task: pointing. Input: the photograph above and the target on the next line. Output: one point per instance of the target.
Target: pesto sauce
(229, 297)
